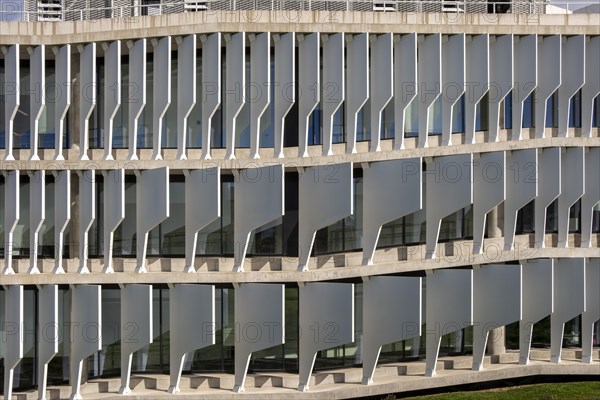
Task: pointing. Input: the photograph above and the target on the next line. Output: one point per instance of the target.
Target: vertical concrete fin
(382, 82)
(193, 325)
(14, 335)
(136, 327)
(572, 188)
(260, 86)
(285, 91)
(62, 215)
(391, 189)
(202, 186)
(489, 190)
(526, 78)
(259, 199)
(87, 96)
(137, 97)
(211, 87)
(357, 70)
(12, 97)
(405, 82)
(37, 79)
(453, 80)
(186, 90)
(430, 80)
(449, 189)
(161, 92)
(37, 214)
(549, 178)
(87, 214)
(260, 315)
(591, 195)
(326, 195)
(114, 211)
(333, 85)
(502, 78)
(591, 87)
(496, 302)
(50, 336)
(573, 78)
(112, 93)
(592, 307)
(152, 193)
(391, 313)
(521, 188)
(449, 308)
(538, 300)
(309, 86)
(11, 215)
(63, 102)
(327, 318)
(235, 86)
(549, 78)
(569, 300)
(477, 80)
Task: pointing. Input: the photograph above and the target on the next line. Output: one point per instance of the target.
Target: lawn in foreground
(550, 391)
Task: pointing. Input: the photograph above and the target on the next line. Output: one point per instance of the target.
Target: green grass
(551, 391)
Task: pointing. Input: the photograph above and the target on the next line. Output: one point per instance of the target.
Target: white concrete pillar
(11, 216)
(87, 214)
(49, 336)
(112, 92)
(152, 194)
(391, 189)
(496, 303)
(202, 186)
(549, 178)
(572, 188)
(526, 78)
(569, 300)
(260, 319)
(186, 89)
(62, 103)
(37, 79)
(12, 97)
(549, 78)
(592, 310)
(449, 189)
(285, 81)
(449, 308)
(62, 215)
(326, 195)
(357, 72)
(114, 211)
(405, 82)
(333, 85)
(87, 95)
(521, 188)
(573, 78)
(591, 196)
(326, 316)
(538, 300)
(137, 97)
(192, 323)
(391, 313)
(161, 91)
(477, 79)
(258, 200)
(382, 82)
(502, 77)
(37, 214)
(260, 86)
(591, 87)
(14, 326)
(430, 80)
(453, 80)
(136, 327)
(489, 190)
(235, 86)
(86, 339)
(211, 86)
(309, 86)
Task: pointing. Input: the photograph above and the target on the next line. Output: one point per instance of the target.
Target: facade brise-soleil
(253, 200)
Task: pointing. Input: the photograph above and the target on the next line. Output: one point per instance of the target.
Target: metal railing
(26, 10)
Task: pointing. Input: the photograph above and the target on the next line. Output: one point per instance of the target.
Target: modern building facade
(251, 191)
